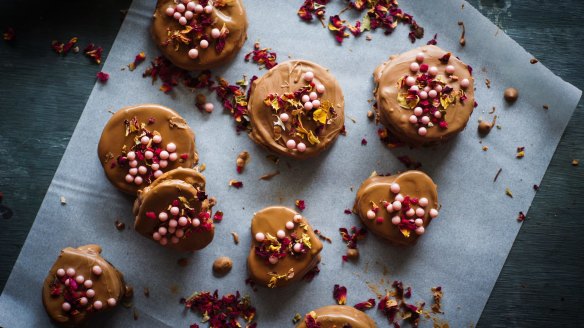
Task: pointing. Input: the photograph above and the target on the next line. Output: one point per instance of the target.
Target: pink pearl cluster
(185, 12)
(138, 173)
(310, 101)
(260, 237)
(82, 287)
(175, 223)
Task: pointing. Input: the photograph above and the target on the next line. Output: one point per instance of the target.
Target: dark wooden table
(42, 96)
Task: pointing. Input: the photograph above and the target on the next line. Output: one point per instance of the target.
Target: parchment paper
(463, 250)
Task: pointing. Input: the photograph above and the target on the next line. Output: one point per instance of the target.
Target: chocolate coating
(288, 77)
(110, 284)
(415, 184)
(396, 118)
(511, 95)
(232, 16)
(187, 183)
(114, 140)
(337, 316)
(270, 220)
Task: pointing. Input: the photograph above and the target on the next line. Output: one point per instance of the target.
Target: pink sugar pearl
(179, 233)
(156, 236)
(423, 202)
(157, 138)
(138, 180)
(177, 15)
(315, 103)
(420, 57)
(297, 218)
(163, 216)
(420, 230)
(193, 53)
(414, 88)
(79, 279)
(410, 212)
(260, 237)
(410, 81)
(148, 154)
(163, 241)
(395, 188)
(98, 305)
(172, 223)
(397, 205)
(196, 223)
(289, 225)
(189, 14)
(174, 240)
(313, 95)
(173, 157)
(191, 5)
(370, 214)
(422, 131)
(60, 272)
(414, 67)
(420, 212)
(432, 94)
(425, 119)
(129, 178)
(465, 83)
(183, 221)
(301, 147)
(83, 301)
(90, 293)
(433, 213)
(145, 140)
(66, 306)
(280, 234)
(291, 144)
(162, 231)
(399, 198)
(418, 111)
(174, 210)
(396, 220)
(284, 117)
(389, 208)
(450, 69)
(163, 155)
(171, 230)
(215, 33)
(437, 114)
(209, 107)
(413, 119)
(169, 11)
(433, 71)
(183, 21)
(111, 301)
(423, 95)
(180, 8)
(305, 98)
(208, 9)
(297, 247)
(427, 88)
(97, 270)
(320, 88)
(70, 272)
(273, 260)
(308, 76)
(163, 163)
(131, 156)
(438, 88)
(419, 222)
(204, 44)
(171, 147)
(142, 170)
(157, 174)
(199, 9)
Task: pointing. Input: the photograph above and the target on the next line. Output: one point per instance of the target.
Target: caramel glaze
(232, 15)
(109, 284)
(338, 316)
(287, 77)
(270, 220)
(377, 189)
(113, 139)
(396, 118)
(157, 197)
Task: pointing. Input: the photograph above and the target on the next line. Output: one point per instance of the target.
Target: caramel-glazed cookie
(296, 109)
(424, 96)
(398, 207)
(175, 211)
(80, 285)
(337, 316)
(139, 143)
(202, 34)
(284, 247)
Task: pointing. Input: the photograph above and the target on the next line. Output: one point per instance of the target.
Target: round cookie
(80, 285)
(296, 109)
(336, 316)
(284, 247)
(175, 211)
(140, 143)
(197, 35)
(399, 207)
(424, 96)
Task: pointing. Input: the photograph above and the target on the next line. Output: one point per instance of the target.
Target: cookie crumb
(222, 265)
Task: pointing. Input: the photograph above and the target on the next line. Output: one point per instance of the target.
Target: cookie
(82, 284)
(296, 109)
(284, 247)
(424, 96)
(336, 316)
(197, 35)
(139, 143)
(398, 207)
(175, 211)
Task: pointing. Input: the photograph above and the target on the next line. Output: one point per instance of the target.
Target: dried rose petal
(340, 294)
(137, 60)
(300, 204)
(9, 34)
(102, 77)
(235, 183)
(218, 216)
(262, 57)
(365, 305)
(93, 52)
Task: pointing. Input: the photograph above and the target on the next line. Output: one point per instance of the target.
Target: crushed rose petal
(235, 183)
(351, 237)
(262, 56)
(102, 77)
(340, 294)
(137, 60)
(93, 52)
(369, 304)
(300, 204)
(225, 311)
(521, 217)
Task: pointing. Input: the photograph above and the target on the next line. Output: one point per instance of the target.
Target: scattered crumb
(146, 291)
(63, 200)
(488, 83)
(508, 192)
(235, 237)
(135, 314)
(273, 158)
(183, 262)
(493, 110)
(235, 183)
(297, 318)
(352, 254)
(202, 167)
(269, 176)
(222, 265)
(174, 289)
(321, 236)
(242, 160)
(497, 175)
(575, 162)
(370, 114)
(485, 148)
(546, 106)
(120, 225)
(352, 118)
(368, 37)
(533, 61)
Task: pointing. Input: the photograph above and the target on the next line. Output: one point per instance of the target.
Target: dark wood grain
(42, 96)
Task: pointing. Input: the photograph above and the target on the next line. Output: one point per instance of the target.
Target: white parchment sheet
(463, 250)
